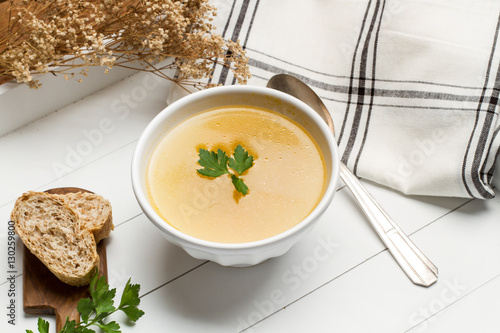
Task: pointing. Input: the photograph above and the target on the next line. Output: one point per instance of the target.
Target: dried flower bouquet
(67, 36)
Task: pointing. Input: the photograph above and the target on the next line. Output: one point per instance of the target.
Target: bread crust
(57, 234)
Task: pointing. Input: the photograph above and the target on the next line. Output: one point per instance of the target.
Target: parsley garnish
(215, 164)
(98, 307)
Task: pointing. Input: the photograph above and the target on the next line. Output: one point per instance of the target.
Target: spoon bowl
(295, 87)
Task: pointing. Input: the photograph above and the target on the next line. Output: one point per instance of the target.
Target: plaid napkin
(412, 86)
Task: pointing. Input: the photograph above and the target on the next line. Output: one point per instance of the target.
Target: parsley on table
(215, 164)
(98, 307)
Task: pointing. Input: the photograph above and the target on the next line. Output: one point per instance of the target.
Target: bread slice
(94, 212)
(51, 230)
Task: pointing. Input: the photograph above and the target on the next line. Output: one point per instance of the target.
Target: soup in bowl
(235, 174)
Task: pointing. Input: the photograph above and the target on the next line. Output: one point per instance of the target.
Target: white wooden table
(340, 278)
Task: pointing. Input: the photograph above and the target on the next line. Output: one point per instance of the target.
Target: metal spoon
(414, 263)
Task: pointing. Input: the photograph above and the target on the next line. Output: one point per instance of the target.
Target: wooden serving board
(44, 293)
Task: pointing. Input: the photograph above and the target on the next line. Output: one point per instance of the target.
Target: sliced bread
(94, 212)
(51, 230)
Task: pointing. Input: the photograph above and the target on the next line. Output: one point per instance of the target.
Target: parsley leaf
(130, 294)
(130, 300)
(104, 302)
(93, 285)
(43, 326)
(241, 161)
(239, 185)
(111, 327)
(102, 296)
(98, 307)
(215, 164)
(85, 307)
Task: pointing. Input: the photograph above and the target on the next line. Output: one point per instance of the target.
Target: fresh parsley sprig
(215, 164)
(98, 307)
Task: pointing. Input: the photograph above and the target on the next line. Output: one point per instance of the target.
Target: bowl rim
(201, 244)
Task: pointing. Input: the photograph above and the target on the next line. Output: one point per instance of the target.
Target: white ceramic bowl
(239, 254)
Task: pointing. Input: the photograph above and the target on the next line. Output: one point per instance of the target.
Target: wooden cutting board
(44, 293)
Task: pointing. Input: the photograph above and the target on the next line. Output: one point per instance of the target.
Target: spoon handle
(414, 263)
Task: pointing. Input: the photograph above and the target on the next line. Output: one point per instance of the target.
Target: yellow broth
(285, 183)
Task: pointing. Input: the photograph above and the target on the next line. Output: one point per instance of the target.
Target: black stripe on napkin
(372, 95)
(249, 31)
(360, 122)
(482, 134)
(351, 90)
(480, 158)
(224, 33)
(351, 80)
(235, 36)
(492, 156)
(261, 64)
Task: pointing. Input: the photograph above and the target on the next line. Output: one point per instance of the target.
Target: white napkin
(412, 86)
